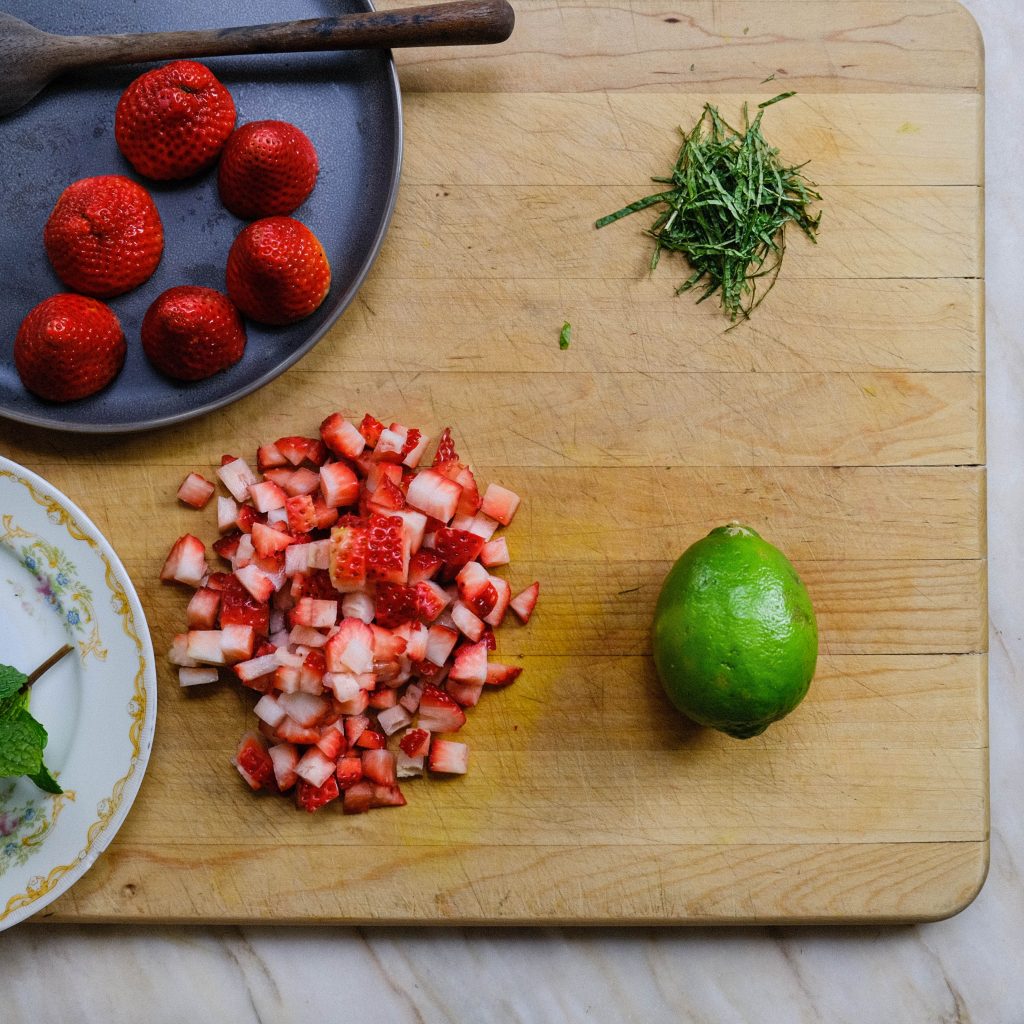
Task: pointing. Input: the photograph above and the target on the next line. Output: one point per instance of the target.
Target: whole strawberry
(277, 271)
(68, 347)
(104, 236)
(191, 333)
(267, 168)
(172, 122)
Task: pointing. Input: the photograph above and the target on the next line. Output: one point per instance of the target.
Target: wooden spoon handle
(462, 22)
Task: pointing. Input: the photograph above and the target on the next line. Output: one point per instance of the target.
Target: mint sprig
(22, 738)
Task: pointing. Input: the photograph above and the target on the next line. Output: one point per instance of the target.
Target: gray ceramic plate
(348, 104)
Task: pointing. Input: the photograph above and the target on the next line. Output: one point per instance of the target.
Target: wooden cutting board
(845, 422)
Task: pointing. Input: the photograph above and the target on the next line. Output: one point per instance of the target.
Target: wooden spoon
(31, 58)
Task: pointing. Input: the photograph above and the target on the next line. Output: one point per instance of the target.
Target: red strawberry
(172, 122)
(387, 550)
(277, 271)
(68, 347)
(524, 603)
(267, 168)
(445, 448)
(312, 798)
(449, 757)
(191, 333)
(395, 603)
(104, 236)
(350, 771)
(438, 712)
(457, 547)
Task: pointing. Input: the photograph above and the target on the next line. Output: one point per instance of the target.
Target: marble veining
(968, 969)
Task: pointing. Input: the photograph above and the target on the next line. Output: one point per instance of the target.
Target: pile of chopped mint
(727, 208)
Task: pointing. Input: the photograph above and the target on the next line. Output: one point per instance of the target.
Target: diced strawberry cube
(355, 726)
(338, 485)
(284, 756)
(371, 739)
(351, 648)
(255, 668)
(391, 444)
(393, 718)
(475, 588)
(524, 603)
(434, 494)
(311, 611)
(457, 547)
(388, 498)
(269, 710)
(238, 608)
(500, 503)
(201, 612)
(311, 798)
(291, 732)
(186, 562)
(282, 477)
(387, 550)
(379, 472)
(438, 712)
(410, 700)
(302, 481)
(252, 760)
(298, 449)
(467, 623)
(236, 642)
(415, 445)
(267, 541)
(178, 654)
(268, 457)
(379, 766)
(423, 565)
(315, 767)
(494, 553)
(470, 664)
(466, 694)
(195, 490)
(348, 557)
(504, 597)
(358, 605)
(501, 675)
(237, 477)
(440, 641)
(188, 676)
(383, 697)
(204, 646)
(415, 743)
(342, 437)
(449, 757)
(395, 603)
(350, 771)
(332, 742)
(256, 581)
(371, 429)
(266, 496)
(407, 767)
(227, 513)
(325, 517)
(416, 642)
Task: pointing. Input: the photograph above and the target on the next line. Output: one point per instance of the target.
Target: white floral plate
(61, 583)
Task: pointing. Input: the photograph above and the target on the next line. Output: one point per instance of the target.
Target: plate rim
(344, 301)
(105, 827)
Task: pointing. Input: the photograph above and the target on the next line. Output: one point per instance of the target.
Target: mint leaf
(44, 780)
(11, 680)
(564, 335)
(22, 740)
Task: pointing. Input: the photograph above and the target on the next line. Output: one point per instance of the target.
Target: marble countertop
(968, 969)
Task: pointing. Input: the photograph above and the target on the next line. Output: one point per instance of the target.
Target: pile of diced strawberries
(359, 604)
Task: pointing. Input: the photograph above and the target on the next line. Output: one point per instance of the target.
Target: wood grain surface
(845, 422)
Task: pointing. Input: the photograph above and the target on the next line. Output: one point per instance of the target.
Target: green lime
(735, 638)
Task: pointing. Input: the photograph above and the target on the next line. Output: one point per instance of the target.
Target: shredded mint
(727, 208)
